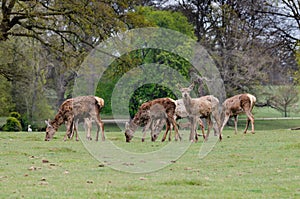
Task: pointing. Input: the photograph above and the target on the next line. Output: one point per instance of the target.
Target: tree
(284, 98)
(286, 17)
(25, 89)
(5, 97)
(243, 39)
(71, 21)
(141, 17)
(65, 30)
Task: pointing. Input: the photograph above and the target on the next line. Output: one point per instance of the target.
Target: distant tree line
(43, 43)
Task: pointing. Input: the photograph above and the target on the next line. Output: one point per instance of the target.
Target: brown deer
(142, 117)
(158, 119)
(215, 113)
(73, 109)
(238, 104)
(197, 107)
(180, 112)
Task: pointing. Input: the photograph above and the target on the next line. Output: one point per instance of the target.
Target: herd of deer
(156, 114)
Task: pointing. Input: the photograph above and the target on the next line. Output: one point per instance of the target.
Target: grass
(261, 165)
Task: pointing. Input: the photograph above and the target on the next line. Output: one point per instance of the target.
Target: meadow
(261, 165)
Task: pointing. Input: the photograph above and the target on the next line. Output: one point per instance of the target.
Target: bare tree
(284, 98)
(245, 39)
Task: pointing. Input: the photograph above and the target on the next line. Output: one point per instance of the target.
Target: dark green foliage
(15, 115)
(12, 124)
(146, 93)
(127, 63)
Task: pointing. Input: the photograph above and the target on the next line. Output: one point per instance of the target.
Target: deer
(142, 117)
(198, 107)
(180, 112)
(236, 105)
(158, 119)
(215, 112)
(73, 109)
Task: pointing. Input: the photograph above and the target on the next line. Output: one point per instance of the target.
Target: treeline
(43, 44)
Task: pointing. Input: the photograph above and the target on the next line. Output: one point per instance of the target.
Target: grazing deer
(73, 109)
(158, 119)
(142, 117)
(180, 112)
(197, 107)
(238, 104)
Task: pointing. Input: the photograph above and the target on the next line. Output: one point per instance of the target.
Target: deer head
(156, 127)
(128, 132)
(50, 131)
(186, 91)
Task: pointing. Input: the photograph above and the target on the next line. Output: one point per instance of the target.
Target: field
(261, 165)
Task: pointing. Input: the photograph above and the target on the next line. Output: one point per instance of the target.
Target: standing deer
(142, 117)
(238, 104)
(197, 107)
(73, 109)
(215, 113)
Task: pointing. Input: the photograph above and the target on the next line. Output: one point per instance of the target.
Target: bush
(12, 124)
(15, 115)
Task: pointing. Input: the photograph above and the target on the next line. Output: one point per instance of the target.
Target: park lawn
(261, 165)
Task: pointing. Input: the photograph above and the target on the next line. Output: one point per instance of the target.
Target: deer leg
(216, 123)
(70, 133)
(100, 126)
(252, 125)
(209, 126)
(196, 135)
(170, 133)
(224, 123)
(69, 125)
(173, 122)
(167, 129)
(75, 129)
(202, 127)
(250, 117)
(153, 132)
(193, 128)
(102, 131)
(247, 125)
(146, 128)
(88, 127)
(235, 123)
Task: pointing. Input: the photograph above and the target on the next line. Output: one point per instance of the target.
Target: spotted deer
(142, 117)
(74, 109)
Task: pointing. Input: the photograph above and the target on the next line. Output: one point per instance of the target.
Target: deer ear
(191, 86)
(179, 86)
(47, 122)
(126, 125)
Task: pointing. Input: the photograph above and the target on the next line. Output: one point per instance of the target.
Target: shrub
(15, 115)
(12, 124)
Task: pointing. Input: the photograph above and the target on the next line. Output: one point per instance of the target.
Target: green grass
(261, 165)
